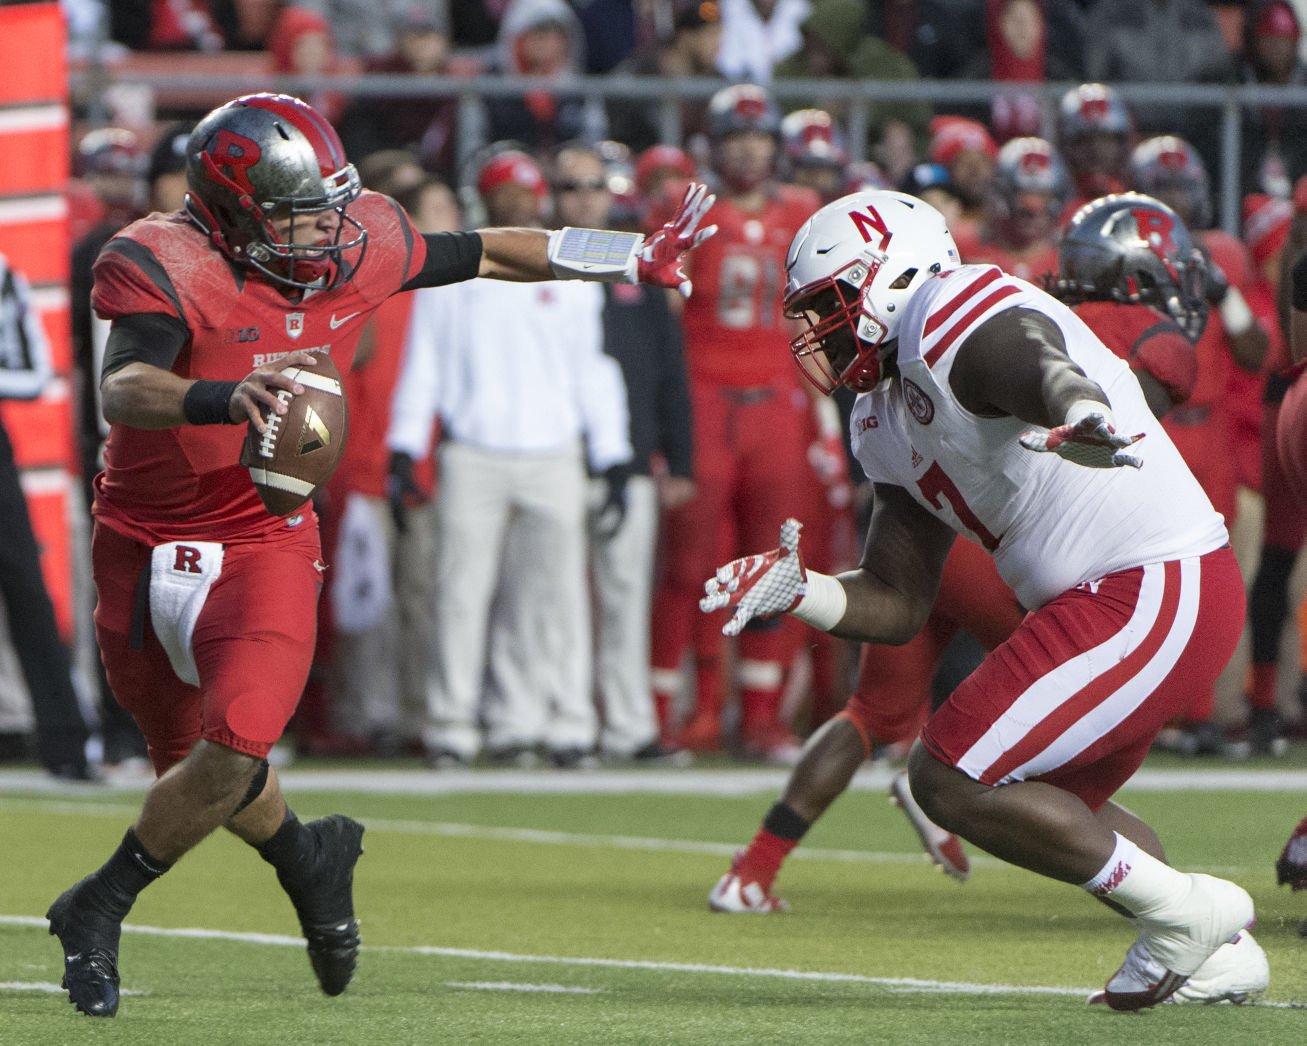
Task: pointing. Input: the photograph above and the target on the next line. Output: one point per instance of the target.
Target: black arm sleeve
(148, 337)
(452, 257)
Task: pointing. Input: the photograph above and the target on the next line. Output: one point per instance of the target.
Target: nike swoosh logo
(825, 250)
(334, 323)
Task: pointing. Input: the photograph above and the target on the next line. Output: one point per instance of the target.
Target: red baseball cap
(950, 135)
(512, 167)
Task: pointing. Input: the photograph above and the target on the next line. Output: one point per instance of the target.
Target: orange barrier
(34, 238)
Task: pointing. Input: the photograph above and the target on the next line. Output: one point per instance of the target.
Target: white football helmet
(851, 269)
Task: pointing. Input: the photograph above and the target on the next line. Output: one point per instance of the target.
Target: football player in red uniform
(1170, 169)
(1284, 516)
(749, 417)
(1026, 199)
(1143, 299)
(207, 603)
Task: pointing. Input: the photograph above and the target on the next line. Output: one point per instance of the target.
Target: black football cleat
(326, 905)
(90, 943)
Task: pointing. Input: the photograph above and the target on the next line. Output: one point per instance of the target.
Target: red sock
(763, 859)
(780, 833)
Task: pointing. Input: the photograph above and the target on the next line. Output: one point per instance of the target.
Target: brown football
(302, 447)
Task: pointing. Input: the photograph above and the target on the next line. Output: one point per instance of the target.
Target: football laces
(268, 441)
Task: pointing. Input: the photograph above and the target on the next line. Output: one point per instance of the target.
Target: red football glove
(661, 260)
(759, 586)
(1090, 442)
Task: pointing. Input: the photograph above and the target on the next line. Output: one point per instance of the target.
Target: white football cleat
(1165, 955)
(743, 896)
(944, 848)
(1236, 972)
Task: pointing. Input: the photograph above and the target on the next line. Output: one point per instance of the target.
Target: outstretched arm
(601, 254)
(1016, 364)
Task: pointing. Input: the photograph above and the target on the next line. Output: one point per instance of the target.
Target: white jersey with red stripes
(1049, 524)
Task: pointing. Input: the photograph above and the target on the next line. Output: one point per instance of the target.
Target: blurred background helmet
(1169, 169)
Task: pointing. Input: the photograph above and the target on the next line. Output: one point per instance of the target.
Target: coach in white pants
(518, 378)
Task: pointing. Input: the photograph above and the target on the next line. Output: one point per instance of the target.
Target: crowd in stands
(1005, 189)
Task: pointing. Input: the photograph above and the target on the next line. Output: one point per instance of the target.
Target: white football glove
(1092, 442)
(759, 586)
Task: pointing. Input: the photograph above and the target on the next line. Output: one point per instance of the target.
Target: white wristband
(1235, 314)
(824, 602)
(1081, 409)
(595, 254)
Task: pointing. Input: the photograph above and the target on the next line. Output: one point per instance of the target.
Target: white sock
(1136, 880)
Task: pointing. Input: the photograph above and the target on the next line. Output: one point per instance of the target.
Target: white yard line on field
(511, 986)
(893, 984)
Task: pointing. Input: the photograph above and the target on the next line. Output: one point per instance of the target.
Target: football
(302, 447)
(1291, 438)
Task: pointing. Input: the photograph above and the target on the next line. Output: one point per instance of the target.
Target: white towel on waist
(181, 574)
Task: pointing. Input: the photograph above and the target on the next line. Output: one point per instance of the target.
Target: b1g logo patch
(919, 404)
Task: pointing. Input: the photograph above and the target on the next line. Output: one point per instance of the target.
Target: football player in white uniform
(988, 409)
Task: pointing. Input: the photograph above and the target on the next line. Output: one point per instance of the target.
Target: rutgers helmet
(1028, 167)
(1092, 108)
(267, 156)
(852, 269)
(1170, 169)
(811, 138)
(740, 108)
(1131, 248)
(110, 151)
(1094, 129)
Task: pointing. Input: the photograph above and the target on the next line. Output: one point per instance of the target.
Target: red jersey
(735, 327)
(1146, 339)
(186, 482)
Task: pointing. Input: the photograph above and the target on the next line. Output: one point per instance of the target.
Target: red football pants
(1077, 695)
(750, 469)
(253, 643)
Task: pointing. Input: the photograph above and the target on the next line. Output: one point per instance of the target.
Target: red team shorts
(253, 644)
(1076, 696)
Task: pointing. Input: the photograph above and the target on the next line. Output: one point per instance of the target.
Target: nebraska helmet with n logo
(851, 271)
(267, 156)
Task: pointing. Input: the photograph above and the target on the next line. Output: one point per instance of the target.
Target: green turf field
(530, 916)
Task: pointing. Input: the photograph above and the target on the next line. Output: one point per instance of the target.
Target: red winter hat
(950, 135)
(1265, 224)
